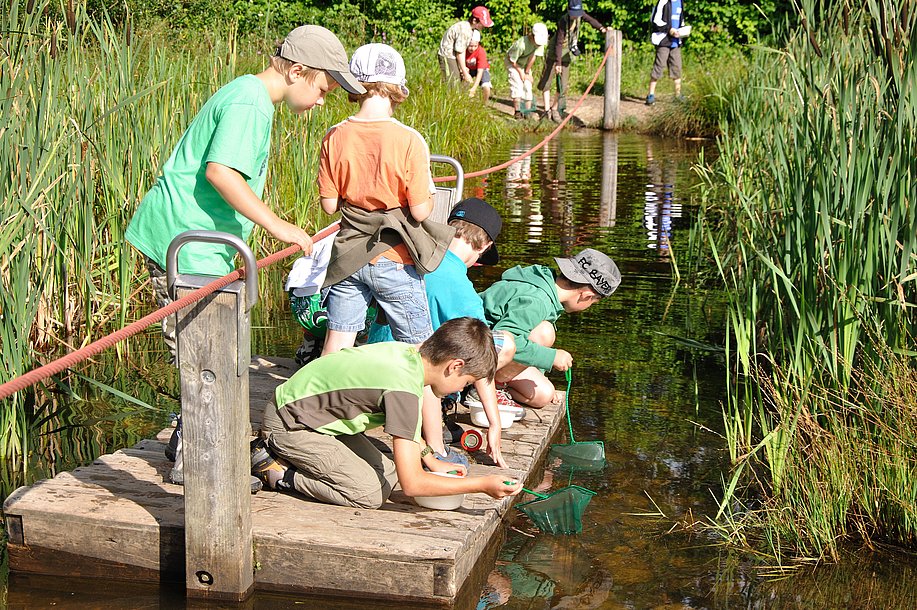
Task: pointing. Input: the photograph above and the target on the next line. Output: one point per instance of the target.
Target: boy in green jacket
(527, 301)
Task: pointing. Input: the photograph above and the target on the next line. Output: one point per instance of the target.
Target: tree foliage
(716, 23)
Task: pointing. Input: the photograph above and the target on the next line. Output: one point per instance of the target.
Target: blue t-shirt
(676, 20)
(450, 294)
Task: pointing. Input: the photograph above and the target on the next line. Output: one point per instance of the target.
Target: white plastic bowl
(479, 417)
(442, 502)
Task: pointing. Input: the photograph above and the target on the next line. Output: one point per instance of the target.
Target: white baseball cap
(540, 32)
(379, 63)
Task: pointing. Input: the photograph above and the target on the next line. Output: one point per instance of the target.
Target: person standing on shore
(519, 60)
(668, 29)
(454, 45)
(562, 48)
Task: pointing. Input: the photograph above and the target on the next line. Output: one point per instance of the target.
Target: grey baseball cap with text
(317, 47)
(593, 268)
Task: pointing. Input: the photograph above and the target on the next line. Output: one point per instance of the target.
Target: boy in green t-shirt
(215, 177)
(316, 424)
(526, 302)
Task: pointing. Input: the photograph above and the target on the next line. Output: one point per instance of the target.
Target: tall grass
(89, 112)
(818, 252)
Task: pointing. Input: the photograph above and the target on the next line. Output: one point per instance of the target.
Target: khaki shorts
(347, 470)
(449, 67)
(667, 56)
(518, 88)
(161, 292)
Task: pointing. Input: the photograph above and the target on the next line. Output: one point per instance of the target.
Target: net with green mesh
(588, 455)
(560, 512)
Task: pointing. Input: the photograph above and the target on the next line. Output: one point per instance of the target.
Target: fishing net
(589, 455)
(560, 512)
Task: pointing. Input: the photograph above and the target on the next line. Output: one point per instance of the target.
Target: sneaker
(452, 432)
(174, 453)
(506, 403)
(650, 99)
(171, 449)
(680, 99)
(263, 464)
(518, 115)
(472, 399)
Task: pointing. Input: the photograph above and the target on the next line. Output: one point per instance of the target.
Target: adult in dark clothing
(562, 48)
(668, 30)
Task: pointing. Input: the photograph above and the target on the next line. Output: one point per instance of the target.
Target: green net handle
(569, 375)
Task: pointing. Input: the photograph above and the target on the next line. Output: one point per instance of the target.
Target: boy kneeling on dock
(316, 428)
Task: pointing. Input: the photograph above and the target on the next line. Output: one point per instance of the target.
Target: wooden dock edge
(117, 519)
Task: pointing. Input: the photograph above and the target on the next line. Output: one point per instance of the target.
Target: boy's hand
(562, 360)
(500, 485)
(493, 446)
(437, 465)
(291, 234)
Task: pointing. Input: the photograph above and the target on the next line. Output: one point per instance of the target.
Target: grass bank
(89, 112)
(815, 242)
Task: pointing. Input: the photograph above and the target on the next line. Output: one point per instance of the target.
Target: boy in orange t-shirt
(373, 165)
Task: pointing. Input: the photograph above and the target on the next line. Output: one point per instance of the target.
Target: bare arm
(422, 211)
(460, 62)
(415, 482)
(235, 191)
(330, 205)
(488, 394)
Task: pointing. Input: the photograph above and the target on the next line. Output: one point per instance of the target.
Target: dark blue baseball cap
(479, 212)
(575, 8)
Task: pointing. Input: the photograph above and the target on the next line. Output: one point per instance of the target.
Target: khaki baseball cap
(316, 47)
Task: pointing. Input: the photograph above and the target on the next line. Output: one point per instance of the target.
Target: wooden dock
(118, 518)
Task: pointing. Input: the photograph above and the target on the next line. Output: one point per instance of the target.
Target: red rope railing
(61, 364)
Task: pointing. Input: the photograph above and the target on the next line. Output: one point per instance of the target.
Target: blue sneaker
(650, 99)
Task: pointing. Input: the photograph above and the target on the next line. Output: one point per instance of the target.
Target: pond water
(654, 403)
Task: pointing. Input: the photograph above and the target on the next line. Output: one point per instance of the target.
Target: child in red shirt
(478, 66)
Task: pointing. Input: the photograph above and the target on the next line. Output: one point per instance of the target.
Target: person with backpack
(668, 31)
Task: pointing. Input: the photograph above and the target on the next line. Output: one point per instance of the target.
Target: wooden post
(214, 352)
(612, 79)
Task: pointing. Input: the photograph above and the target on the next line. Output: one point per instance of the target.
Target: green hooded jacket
(522, 299)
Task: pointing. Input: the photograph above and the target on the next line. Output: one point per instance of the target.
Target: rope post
(214, 353)
(612, 79)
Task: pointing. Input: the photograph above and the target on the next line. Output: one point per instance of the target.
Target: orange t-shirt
(376, 164)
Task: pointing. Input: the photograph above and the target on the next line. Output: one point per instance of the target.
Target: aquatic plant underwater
(817, 250)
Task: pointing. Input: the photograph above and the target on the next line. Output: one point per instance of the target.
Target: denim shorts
(398, 290)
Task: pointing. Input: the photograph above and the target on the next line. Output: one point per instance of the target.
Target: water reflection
(662, 205)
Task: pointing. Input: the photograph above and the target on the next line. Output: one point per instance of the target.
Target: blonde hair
(476, 237)
(394, 93)
(284, 65)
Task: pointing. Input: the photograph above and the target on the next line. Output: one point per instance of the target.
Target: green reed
(818, 252)
(89, 112)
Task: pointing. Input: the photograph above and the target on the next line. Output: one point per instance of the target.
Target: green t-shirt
(522, 49)
(232, 129)
(355, 389)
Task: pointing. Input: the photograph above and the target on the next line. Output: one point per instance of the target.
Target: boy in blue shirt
(450, 295)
